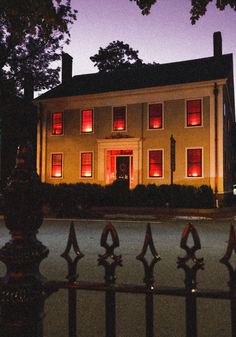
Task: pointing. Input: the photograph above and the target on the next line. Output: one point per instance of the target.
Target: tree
(198, 9)
(32, 34)
(117, 55)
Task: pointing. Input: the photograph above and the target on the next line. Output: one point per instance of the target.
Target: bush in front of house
(68, 200)
(116, 194)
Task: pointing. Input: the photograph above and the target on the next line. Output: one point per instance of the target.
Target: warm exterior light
(194, 114)
(155, 116)
(57, 123)
(87, 121)
(194, 162)
(119, 118)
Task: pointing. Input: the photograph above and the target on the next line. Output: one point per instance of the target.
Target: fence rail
(23, 290)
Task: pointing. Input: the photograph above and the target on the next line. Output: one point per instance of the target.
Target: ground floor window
(56, 168)
(155, 163)
(86, 164)
(194, 162)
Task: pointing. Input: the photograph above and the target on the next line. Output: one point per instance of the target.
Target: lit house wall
(137, 136)
(118, 126)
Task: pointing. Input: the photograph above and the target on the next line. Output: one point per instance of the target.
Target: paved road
(213, 316)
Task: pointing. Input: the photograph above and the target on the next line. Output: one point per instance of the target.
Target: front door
(122, 168)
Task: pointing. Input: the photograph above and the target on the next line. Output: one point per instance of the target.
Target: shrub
(138, 196)
(68, 200)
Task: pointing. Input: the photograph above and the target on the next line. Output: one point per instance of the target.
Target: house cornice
(131, 92)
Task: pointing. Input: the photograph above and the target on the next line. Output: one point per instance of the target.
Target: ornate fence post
(21, 292)
(190, 264)
(232, 276)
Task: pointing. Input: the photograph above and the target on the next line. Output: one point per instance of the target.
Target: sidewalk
(163, 213)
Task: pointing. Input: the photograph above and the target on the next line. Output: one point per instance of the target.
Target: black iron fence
(23, 290)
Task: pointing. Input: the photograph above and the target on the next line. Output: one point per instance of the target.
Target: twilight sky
(166, 35)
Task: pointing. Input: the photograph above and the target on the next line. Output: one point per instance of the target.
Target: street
(169, 321)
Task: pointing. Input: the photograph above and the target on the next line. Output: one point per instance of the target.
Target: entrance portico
(120, 159)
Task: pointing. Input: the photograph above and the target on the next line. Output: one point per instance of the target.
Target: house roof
(204, 69)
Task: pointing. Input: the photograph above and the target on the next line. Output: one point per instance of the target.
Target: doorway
(123, 168)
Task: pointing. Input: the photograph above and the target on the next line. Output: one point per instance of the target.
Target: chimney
(66, 67)
(217, 42)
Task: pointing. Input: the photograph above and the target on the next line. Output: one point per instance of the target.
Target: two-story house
(99, 127)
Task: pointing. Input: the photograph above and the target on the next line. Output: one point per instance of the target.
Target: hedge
(76, 199)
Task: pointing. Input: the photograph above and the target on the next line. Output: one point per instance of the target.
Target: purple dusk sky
(166, 35)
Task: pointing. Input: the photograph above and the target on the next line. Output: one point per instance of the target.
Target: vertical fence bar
(190, 276)
(191, 314)
(72, 299)
(149, 314)
(231, 247)
(72, 277)
(149, 278)
(110, 304)
(110, 277)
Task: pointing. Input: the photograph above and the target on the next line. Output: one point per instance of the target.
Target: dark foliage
(198, 9)
(32, 34)
(77, 199)
(116, 56)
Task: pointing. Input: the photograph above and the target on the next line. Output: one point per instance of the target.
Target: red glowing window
(56, 165)
(155, 116)
(86, 121)
(119, 118)
(57, 123)
(155, 163)
(194, 162)
(194, 113)
(86, 164)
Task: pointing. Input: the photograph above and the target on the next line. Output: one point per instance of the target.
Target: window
(56, 165)
(119, 118)
(194, 113)
(87, 121)
(86, 164)
(57, 123)
(194, 162)
(155, 163)
(155, 116)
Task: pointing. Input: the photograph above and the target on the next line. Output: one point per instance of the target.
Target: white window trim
(163, 166)
(80, 162)
(186, 162)
(186, 112)
(86, 133)
(157, 129)
(62, 165)
(63, 124)
(126, 126)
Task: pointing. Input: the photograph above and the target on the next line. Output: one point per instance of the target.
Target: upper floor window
(155, 163)
(119, 118)
(87, 121)
(194, 112)
(56, 168)
(194, 163)
(86, 164)
(155, 116)
(57, 123)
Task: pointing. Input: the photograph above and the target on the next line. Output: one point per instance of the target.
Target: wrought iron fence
(23, 290)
